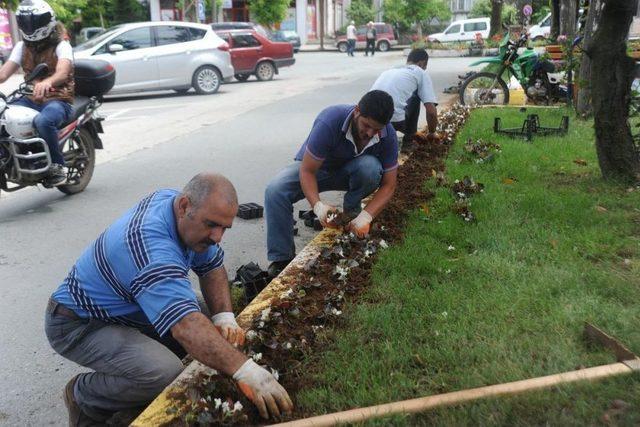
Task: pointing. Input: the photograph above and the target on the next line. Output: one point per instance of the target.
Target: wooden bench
(556, 54)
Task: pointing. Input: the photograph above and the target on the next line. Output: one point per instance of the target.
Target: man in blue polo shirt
(351, 148)
(127, 311)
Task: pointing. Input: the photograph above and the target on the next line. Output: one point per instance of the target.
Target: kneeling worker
(127, 311)
(408, 86)
(351, 148)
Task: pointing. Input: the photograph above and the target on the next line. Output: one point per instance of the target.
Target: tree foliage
(482, 8)
(408, 12)
(269, 12)
(361, 12)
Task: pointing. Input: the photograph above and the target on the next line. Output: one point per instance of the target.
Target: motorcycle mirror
(576, 41)
(39, 70)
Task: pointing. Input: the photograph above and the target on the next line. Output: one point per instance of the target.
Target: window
(134, 39)
(361, 31)
(453, 29)
(469, 27)
(546, 22)
(244, 40)
(481, 26)
(197, 33)
(172, 35)
(461, 5)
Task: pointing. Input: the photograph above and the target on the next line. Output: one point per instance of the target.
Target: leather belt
(54, 307)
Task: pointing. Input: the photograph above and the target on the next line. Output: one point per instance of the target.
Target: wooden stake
(457, 397)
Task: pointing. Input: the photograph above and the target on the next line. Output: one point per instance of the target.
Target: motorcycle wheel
(484, 89)
(80, 157)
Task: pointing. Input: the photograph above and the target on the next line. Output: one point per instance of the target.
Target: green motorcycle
(485, 88)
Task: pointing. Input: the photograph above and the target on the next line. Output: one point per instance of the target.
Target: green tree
(419, 11)
(394, 12)
(122, 11)
(269, 12)
(482, 8)
(361, 12)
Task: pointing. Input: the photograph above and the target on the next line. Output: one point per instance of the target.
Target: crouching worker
(127, 311)
(351, 148)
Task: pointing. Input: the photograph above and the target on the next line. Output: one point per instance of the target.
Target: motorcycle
(24, 156)
(532, 72)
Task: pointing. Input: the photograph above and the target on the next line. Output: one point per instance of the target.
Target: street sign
(227, 4)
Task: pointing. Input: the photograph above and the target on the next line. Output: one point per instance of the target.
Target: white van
(541, 30)
(463, 30)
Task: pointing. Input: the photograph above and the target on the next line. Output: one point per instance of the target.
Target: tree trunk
(496, 18)
(612, 72)
(568, 18)
(583, 107)
(555, 20)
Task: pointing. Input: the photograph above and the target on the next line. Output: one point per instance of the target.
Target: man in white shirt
(408, 86)
(52, 93)
(351, 38)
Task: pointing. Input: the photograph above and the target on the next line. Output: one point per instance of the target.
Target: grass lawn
(460, 305)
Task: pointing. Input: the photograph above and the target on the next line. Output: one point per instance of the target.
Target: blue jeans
(358, 177)
(351, 46)
(52, 115)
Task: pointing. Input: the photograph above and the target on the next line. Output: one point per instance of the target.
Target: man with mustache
(351, 148)
(127, 311)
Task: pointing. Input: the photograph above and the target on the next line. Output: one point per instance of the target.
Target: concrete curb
(156, 413)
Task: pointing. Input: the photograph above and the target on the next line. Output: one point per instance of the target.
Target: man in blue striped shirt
(127, 309)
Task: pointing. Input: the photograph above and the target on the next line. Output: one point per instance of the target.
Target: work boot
(407, 144)
(57, 176)
(77, 418)
(276, 267)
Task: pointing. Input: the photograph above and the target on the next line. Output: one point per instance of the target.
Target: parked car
(385, 38)
(252, 53)
(462, 30)
(542, 29)
(88, 33)
(151, 56)
(288, 36)
(239, 25)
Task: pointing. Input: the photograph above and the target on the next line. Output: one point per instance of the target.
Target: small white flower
(226, 409)
(287, 293)
(217, 402)
(451, 248)
(445, 314)
(261, 324)
(237, 407)
(257, 357)
(251, 335)
(448, 272)
(265, 314)
(275, 374)
(288, 346)
(336, 312)
(383, 244)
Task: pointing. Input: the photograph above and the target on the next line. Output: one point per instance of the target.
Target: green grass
(509, 302)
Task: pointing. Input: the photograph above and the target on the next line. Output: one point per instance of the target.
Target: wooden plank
(594, 334)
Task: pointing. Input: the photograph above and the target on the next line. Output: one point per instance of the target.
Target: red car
(385, 38)
(252, 53)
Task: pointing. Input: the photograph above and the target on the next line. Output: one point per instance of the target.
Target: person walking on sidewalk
(127, 311)
(409, 86)
(351, 38)
(351, 148)
(371, 39)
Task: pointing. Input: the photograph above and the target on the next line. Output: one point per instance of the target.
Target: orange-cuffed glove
(361, 224)
(225, 323)
(263, 390)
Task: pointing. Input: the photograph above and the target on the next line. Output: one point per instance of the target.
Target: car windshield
(288, 33)
(98, 39)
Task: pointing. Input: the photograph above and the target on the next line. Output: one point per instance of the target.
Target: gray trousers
(131, 366)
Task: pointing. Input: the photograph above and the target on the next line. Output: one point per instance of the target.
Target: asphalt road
(248, 132)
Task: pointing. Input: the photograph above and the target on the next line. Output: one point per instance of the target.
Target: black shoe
(57, 176)
(407, 144)
(276, 267)
(76, 416)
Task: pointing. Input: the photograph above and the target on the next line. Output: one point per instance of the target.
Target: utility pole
(321, 24)
(214, 11)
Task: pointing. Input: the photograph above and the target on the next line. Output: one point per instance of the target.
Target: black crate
(250, 211)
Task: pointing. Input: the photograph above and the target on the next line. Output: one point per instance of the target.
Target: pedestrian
(44, 41)
(350, 148)
(409, 86)
(351, 38)
(128, 312)
(371, 39)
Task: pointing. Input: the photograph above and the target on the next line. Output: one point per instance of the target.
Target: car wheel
(242, 77)
(206, 80)
(265, 71)
(383, 46)
(342, 47)
(538, 39)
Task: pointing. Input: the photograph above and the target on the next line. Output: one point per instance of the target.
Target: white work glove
(262, 389)
(226, 324)
(322, 210)
(361, 224)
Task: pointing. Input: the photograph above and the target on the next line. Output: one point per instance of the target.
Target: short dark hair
(377, 105)
(417, 55)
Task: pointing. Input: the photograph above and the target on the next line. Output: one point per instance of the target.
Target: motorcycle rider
(53, 93)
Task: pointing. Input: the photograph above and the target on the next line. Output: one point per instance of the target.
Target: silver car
(151, 56)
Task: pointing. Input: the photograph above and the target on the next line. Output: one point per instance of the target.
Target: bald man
(128, 312)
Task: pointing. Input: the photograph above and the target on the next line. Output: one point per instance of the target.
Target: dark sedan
(288, 36)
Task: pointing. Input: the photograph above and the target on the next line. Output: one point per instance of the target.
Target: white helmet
(36, 20)
(18, 121)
